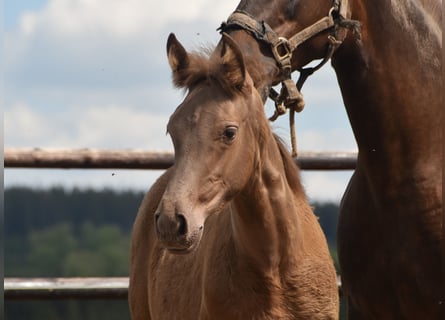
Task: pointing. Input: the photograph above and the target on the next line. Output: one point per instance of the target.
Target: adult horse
(390, 228)
(227, 232)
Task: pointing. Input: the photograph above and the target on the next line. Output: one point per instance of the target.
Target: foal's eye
(229, 133)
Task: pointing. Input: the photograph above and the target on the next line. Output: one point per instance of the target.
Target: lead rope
(280, 106)
(298, 105)
(290, 96)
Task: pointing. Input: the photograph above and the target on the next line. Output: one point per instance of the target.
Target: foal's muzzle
(173, 232)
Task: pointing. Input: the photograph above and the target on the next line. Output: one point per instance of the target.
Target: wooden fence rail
(70, 288)
(138, 159)
(65, 288)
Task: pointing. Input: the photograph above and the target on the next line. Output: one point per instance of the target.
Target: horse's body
(390, 229)
(227, 232)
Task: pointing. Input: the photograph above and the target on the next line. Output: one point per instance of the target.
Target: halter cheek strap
(290, 96)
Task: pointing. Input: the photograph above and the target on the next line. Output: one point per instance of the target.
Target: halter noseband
(282, 49)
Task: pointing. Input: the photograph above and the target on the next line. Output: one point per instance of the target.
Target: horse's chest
(173, 288)
(184, 286)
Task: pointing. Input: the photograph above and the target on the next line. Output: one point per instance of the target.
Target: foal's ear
(178, 60)
(232, 62)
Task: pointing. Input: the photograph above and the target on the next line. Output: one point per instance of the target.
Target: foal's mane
(205, 66)
(434, 8)
(290, 167)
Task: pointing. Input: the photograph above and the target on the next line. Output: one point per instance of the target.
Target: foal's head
(215, 133)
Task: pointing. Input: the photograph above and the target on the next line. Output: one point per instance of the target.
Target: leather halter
(282, 49)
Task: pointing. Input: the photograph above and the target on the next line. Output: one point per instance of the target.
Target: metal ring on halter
(332, 10)
(282, 50)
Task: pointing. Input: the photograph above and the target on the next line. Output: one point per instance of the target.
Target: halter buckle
(282, 51)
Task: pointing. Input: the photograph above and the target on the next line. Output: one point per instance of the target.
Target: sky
(94, 74)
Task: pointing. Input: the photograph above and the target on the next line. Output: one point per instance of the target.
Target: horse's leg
(355, 251)
(142, 241)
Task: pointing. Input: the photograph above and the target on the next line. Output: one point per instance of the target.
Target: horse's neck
(265, 223)
(391, 85)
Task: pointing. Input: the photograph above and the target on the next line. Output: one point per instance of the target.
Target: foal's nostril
(168, 226)
(182, 224)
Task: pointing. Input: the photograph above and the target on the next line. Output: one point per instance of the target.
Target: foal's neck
(265, 221)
